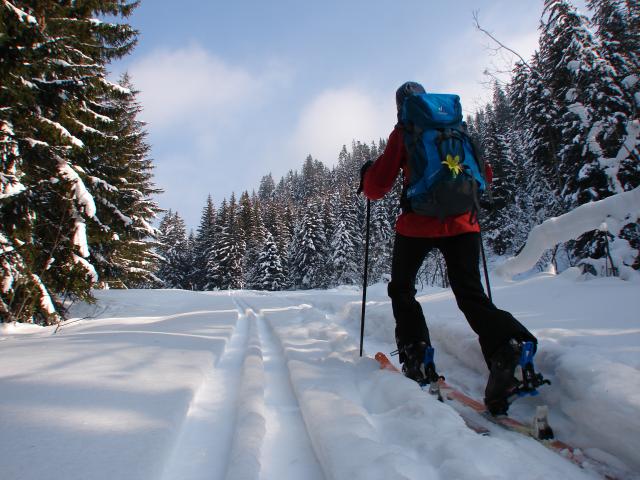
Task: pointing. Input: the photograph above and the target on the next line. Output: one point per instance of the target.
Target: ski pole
(484, 264)
(366, 271)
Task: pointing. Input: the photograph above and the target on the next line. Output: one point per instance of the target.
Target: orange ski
(539, 430)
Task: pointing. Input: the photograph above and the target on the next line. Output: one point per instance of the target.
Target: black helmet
(407, 89)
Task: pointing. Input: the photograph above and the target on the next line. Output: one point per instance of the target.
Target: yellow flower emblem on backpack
(454, 164)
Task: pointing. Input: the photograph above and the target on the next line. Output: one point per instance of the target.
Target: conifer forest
(78, 202)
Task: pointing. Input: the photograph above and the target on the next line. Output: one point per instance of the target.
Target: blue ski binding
(531, 380)
(432, 377)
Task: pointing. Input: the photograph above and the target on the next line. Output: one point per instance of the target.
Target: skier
(458, 238)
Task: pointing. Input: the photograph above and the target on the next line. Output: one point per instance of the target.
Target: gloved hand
(486, 204)
(492, 204)
(363, 170)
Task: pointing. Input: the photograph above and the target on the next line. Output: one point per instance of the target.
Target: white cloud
(335, 118)
(190, 84)
(199, 108)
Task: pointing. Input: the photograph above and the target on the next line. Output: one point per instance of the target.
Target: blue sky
(234, 90)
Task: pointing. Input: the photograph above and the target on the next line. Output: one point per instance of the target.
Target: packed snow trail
(250, 424)
(224, 385)
(203, 444)
(287, 452)
(244, 423)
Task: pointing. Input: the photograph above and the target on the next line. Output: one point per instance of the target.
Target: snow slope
(171, 384)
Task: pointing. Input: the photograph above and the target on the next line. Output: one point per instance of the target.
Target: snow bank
(14, 328)
(614, 211)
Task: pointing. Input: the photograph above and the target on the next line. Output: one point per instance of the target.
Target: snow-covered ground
(248, 385)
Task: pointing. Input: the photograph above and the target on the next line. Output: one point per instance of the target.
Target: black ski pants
(461, 253)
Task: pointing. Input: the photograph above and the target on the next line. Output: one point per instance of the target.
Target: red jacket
(379, 179)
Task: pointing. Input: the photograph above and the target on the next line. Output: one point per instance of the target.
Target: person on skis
(458, 238)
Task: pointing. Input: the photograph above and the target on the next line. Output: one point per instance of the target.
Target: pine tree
(59, 119)
(383, 218)
(255, 246)
(215, 271)
(191, 272)
(269, 274)
(267, 189)
(534, 114)
(173, 248)
(498, 152)
(345, 244)
(584, 82)
(121, 246)
(225, 262)
(614, 24)
(245, 218)
(618, 133)
(204, 240)
(307, 251)
(283, 234)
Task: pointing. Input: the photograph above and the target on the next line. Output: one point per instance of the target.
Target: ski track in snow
(250, 424)
(287, 452)
(203, 445)
(245, 426)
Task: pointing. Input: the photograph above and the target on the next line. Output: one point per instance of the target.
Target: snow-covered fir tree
(121, 246)
(592, 103)
(496, 140)
(205, 239)
(226, 256)
(255, 246)
(173, 248)
(191, 276)
(67, 134)
(282, 234)
(345, 243)
(307, 251)
(269, 273)
(383, 218)
(267, 189)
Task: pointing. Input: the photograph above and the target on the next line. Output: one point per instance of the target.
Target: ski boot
(418, 365)
(511, 375)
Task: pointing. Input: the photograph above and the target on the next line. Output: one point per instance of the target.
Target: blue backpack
(446, 173)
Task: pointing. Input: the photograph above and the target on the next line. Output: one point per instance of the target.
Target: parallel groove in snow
(287, 452)
(204, 442)
(244, 460)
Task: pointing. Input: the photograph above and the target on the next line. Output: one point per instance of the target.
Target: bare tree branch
(493, 79)
(502, 45)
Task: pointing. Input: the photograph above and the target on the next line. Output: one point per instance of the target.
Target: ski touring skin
(539, 429)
